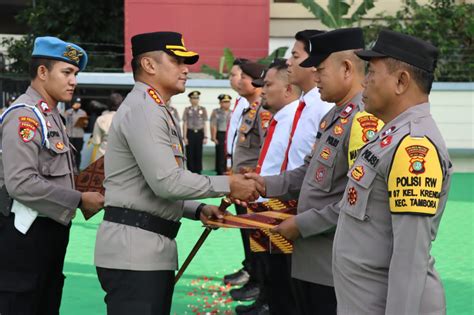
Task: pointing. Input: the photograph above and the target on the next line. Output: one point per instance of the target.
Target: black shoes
(248, 292)
(240, 277)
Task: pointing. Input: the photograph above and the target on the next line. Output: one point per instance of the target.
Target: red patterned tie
(266, 144)
(296, 119)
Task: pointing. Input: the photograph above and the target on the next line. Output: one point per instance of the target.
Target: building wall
(208, 26)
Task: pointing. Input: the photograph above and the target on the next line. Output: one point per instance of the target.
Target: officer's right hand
(260, 181)
(92, 201)
(242, 188)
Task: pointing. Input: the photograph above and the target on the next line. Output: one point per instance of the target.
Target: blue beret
(53, 48)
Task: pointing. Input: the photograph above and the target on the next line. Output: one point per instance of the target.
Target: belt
(196, 130)
(142, 220)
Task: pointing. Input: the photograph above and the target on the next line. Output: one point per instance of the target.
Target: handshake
(246, 187)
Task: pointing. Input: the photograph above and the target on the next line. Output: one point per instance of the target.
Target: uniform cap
(224, 98)
(170, 42)
(277, 62)
(323, 45)
(194, 94)
(48, 47)
(252, 69)
(409, 49)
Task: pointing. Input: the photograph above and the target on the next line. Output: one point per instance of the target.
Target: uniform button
(366, 218)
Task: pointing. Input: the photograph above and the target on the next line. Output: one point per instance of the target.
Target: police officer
(241, 276)
(37, 175)
(146, 183)
(250, 137)
(397, 190)
(322, 179)
(220, 118)
(195, 132)
(75, 128)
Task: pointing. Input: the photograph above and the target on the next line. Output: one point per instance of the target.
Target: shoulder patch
(415, 178)
(154, 95)
(364, 128)
(27, 128)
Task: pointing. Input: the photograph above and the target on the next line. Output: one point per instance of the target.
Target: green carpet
(200, 290)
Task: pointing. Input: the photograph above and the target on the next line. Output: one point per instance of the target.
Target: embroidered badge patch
(385, 142)
(388, 131)
(344, 121)
(265, 119)
(73, 54)
(323, 124)
(27, 128)
(417, 154)
(155, 97)
(44, 106)
(338, 130)
(325, 153)
(358, 172)
(369, 125)
(347, 110)
(60, 145)
(352, 196)
(320, 173)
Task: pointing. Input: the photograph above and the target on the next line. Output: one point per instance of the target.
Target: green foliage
(229, 58)
(334, 16)
(95, 25)
(447, 25)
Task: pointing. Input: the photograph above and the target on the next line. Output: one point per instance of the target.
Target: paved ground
(200, 291)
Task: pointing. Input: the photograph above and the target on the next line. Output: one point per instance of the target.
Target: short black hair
(36, 62)
(422, 78)
(114, 101)
(304, 36)
(239, 61)
(278, 64)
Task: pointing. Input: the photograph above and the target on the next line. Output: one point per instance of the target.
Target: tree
(447, 25)
(97, 26)
(334, 16)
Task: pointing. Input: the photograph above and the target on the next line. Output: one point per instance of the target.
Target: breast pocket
(359, 187)
(324, 169)
(54, 161)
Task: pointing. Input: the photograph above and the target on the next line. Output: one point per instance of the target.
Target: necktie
(296, 119)
(266, 144)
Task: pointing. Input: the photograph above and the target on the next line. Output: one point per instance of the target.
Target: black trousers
(314, 299)
(137, 292)
(279, 287)
(77, 143)
(194, 150)
(220, 153)
(31, 267)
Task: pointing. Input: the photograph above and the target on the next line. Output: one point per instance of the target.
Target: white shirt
(276, 150)
(234, 123)
(308, 125)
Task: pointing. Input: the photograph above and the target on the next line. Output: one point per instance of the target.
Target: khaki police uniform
(251, 135)
(146, 183)
(321, 182)
(37, 172)
(392, 204)
(195, 118)
(75, 133)
(220, 118)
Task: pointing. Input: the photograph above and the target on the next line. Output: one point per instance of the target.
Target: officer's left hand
(204, 141)
(211, 212)
(288, 229)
